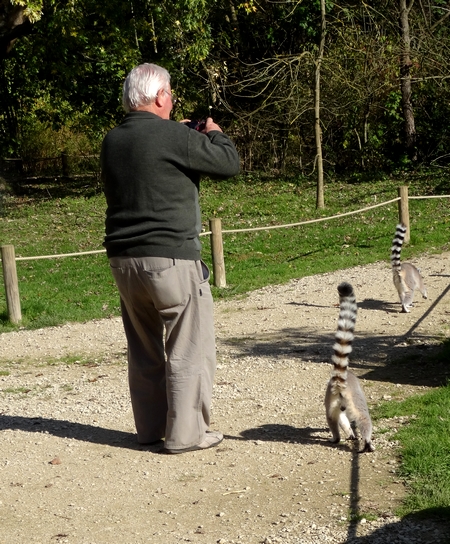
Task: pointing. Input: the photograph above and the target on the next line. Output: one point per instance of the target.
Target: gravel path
(71, 470)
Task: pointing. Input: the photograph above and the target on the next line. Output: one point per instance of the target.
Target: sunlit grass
(424, 448)
(58, 290)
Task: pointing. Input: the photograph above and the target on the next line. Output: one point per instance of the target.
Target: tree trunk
(13, 24)
(235, 27)
(320, 203)
(405, 81)
(10, 118)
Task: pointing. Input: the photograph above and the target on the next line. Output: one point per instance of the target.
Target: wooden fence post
(19, 166)
(215, 226)
(403, 209)
(65, 164)
(11, 283)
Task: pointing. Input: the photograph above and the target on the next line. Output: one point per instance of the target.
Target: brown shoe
(212, 438)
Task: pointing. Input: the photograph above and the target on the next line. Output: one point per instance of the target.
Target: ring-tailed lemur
(344, 399)
(407, 277)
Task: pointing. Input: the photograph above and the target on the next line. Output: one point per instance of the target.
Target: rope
(315, 220)
(430, 196)
(60, 255)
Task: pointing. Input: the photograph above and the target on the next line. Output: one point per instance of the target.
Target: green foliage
(250, 64)
(33, 8)
(41, 141)
(87, 54)
(393, 105)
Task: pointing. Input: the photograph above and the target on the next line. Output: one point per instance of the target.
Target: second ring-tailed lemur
(406, 276)
(344, 399)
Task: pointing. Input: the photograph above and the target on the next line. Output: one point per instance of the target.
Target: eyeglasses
(172, 96)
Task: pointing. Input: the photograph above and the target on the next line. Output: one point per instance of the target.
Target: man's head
(147, 88)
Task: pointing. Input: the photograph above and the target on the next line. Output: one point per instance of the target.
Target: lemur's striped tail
(397, 244)
(345, 332)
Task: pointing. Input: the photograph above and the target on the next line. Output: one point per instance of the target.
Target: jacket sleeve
(213, 154)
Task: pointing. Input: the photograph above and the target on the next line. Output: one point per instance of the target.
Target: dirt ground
(71, 470)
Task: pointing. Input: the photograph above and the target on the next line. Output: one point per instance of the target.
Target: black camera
(196, 125)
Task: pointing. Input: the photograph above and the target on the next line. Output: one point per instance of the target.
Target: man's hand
(210, 125)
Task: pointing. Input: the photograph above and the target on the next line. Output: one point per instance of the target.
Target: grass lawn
(49, 220)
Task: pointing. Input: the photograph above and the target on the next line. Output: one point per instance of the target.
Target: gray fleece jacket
(151, 169)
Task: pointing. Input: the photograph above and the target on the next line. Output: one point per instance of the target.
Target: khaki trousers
(167, 313)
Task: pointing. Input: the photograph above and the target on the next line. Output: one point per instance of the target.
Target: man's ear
(158, 99)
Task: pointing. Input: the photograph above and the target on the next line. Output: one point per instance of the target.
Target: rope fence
(430, 196)
(316, 220)
(8, 258)
(61, 255)
(64, 165)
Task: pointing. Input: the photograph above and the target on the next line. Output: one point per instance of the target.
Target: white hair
(142, 85)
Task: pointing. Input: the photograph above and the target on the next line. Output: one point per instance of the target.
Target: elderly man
(151, 169)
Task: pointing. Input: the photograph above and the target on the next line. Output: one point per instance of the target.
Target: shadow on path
(77, 431)
(375, 356)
